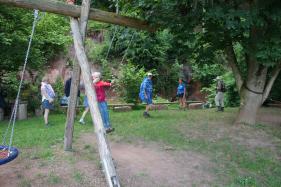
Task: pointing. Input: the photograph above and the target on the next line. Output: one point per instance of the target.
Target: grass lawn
(244, 155)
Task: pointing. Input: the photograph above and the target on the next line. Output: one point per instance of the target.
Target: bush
(129, 81)
(59, 91)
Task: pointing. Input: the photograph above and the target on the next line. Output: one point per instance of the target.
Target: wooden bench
(156, 106)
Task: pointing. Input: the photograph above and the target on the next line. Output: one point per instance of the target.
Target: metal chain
(14, 113)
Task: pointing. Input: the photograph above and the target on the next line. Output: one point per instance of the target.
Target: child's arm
(106, 84)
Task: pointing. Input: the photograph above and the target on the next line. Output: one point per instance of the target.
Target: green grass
(32, 132)
(78, 177)
(206, 132)
(236, 164)
(53, 178)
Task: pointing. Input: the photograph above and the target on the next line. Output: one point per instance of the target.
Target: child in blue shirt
(181, 94)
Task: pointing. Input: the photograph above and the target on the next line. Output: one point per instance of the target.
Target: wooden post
(71, 110)
(105, 154)
(61, 8)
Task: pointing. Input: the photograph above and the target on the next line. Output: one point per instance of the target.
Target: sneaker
(146, 115)
(82, 122)
(109, 130)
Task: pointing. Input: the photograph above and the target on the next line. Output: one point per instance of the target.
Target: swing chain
(14, 112)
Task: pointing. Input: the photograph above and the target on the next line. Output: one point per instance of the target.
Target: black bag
(223, 88)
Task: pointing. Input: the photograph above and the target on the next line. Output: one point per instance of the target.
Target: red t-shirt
(100, 90)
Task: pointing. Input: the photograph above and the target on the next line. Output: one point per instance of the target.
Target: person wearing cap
(220, 89)
(146, 89)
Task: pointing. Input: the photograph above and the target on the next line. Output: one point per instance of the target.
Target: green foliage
(166, 79)
(32, 94)
(59, 91)
(276, 89)
(153, 51)
(201, 29)
(106, 71)
(51, 36)
(129, 81)
(206, 73)
(231, 96)
(9, 84)
(96, 51)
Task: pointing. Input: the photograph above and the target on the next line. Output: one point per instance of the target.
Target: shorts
(180, 95)
(148, 101)
(85, 102)
(47, 105)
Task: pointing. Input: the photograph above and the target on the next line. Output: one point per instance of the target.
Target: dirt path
(137, 165)
(148, 166)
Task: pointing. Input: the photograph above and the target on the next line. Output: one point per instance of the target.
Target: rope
(255, 92)
(125, 54)
(14, 113)
(115, 30)
(114, 34)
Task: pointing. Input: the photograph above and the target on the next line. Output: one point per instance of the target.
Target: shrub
(128, 83)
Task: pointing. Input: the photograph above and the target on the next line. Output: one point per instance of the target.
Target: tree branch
(270, 83)
(232, 61)
(61, 8)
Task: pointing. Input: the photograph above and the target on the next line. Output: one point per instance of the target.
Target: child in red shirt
(99, 87)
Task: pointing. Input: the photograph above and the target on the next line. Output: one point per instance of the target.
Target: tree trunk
(251, 92)
(249, 105)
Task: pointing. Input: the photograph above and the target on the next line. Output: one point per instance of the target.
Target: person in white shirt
(48, 96)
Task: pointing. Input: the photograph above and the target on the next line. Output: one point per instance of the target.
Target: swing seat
(5, 156)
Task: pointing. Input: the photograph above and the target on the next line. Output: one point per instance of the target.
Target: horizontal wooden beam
(61, 8)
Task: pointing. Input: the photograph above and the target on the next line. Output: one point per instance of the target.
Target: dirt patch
(137, 165)
(63, 169)
(151, 165)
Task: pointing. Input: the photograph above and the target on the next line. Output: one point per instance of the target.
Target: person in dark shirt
(67, 87)
(2, 101)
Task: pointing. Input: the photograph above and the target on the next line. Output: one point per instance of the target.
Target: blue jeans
(104, 114)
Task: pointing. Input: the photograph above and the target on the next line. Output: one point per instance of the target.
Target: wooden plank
(75, 81)
(104, 150)
(61, 8)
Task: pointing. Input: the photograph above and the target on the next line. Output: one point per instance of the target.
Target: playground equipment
(7, 152)
(74, 12)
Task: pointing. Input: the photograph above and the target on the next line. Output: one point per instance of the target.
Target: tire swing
(7, 152)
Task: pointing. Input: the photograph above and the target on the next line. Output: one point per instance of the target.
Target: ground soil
(138, 164)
